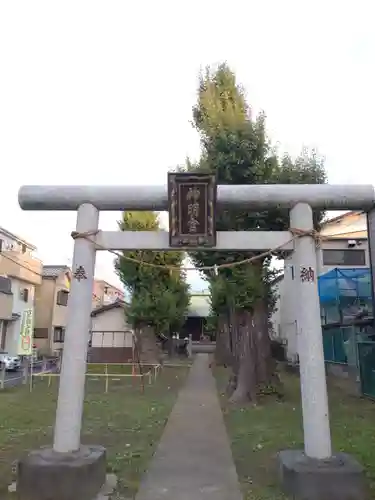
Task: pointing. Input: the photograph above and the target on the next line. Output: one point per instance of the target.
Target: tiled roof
(108, 307)
(105, 283)
(54, 271)
(199, 306)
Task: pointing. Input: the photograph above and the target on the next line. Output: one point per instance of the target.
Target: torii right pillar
(314, 473)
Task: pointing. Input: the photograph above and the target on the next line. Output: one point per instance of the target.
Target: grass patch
(257, 434)
(128, 423)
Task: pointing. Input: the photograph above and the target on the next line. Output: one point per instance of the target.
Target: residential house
(6, 308)
(111, 336)
(51, 301)
(343, 245)
(104, 293)
(20, 273)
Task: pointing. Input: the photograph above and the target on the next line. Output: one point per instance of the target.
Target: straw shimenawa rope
(296, 234)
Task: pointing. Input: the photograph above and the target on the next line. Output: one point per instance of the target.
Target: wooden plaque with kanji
(192, 203)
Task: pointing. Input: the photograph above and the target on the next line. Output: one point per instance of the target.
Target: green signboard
(25, 341)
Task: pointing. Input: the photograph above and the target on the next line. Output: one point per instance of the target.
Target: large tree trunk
(244, 377)
(235, 348)
(147, 351)
(254, 370)
(223, 348)
(263, 343)
(267, 379)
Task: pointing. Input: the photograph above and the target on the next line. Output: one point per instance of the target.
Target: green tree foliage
(159, 296)
(234, 145)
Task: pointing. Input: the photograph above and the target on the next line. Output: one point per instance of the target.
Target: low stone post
(2, 376)
(190, 346)
(25, 370)
(58, 362)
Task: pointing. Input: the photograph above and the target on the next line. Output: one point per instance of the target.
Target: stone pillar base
(339, 478)
(46, 475)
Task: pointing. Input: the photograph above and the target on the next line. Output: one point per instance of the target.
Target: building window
(5, 285)
(24, 294)
(40, 333)
(345, 257)
(62, 298)
(58, 334)
(23, 248)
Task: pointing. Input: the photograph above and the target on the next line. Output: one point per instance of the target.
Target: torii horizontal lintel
(260, 196)
(226, 240)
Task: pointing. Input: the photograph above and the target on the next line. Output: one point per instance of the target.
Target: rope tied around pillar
(86, 234)
(295, 232)
(313, 233)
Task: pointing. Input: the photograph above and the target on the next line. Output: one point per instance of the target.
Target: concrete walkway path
(193, 460)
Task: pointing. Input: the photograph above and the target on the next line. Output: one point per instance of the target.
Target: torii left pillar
(69, 470)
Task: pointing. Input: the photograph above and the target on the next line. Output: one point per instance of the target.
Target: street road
(13, 379)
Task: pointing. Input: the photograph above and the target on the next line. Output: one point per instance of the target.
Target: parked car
(11, 363)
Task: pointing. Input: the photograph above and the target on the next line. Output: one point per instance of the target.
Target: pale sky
(100, 92)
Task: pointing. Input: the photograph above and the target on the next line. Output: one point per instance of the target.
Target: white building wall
(109, 329)
(9, 243)
(339, 245)
(19, 306)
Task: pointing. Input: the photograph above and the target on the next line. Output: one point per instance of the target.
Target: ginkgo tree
(235, 146)
(156, 282)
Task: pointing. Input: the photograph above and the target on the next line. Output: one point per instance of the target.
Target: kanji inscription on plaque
(192, 201)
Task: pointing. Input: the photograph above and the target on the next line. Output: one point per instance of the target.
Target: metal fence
(30, 367)
(344, 293)
(107, 372)
(366, 362)
(353, 346)
(336, 344)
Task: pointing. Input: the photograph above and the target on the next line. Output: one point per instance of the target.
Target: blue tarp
(339, 283)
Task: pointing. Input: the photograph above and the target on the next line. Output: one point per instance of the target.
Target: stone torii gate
(78, 472)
